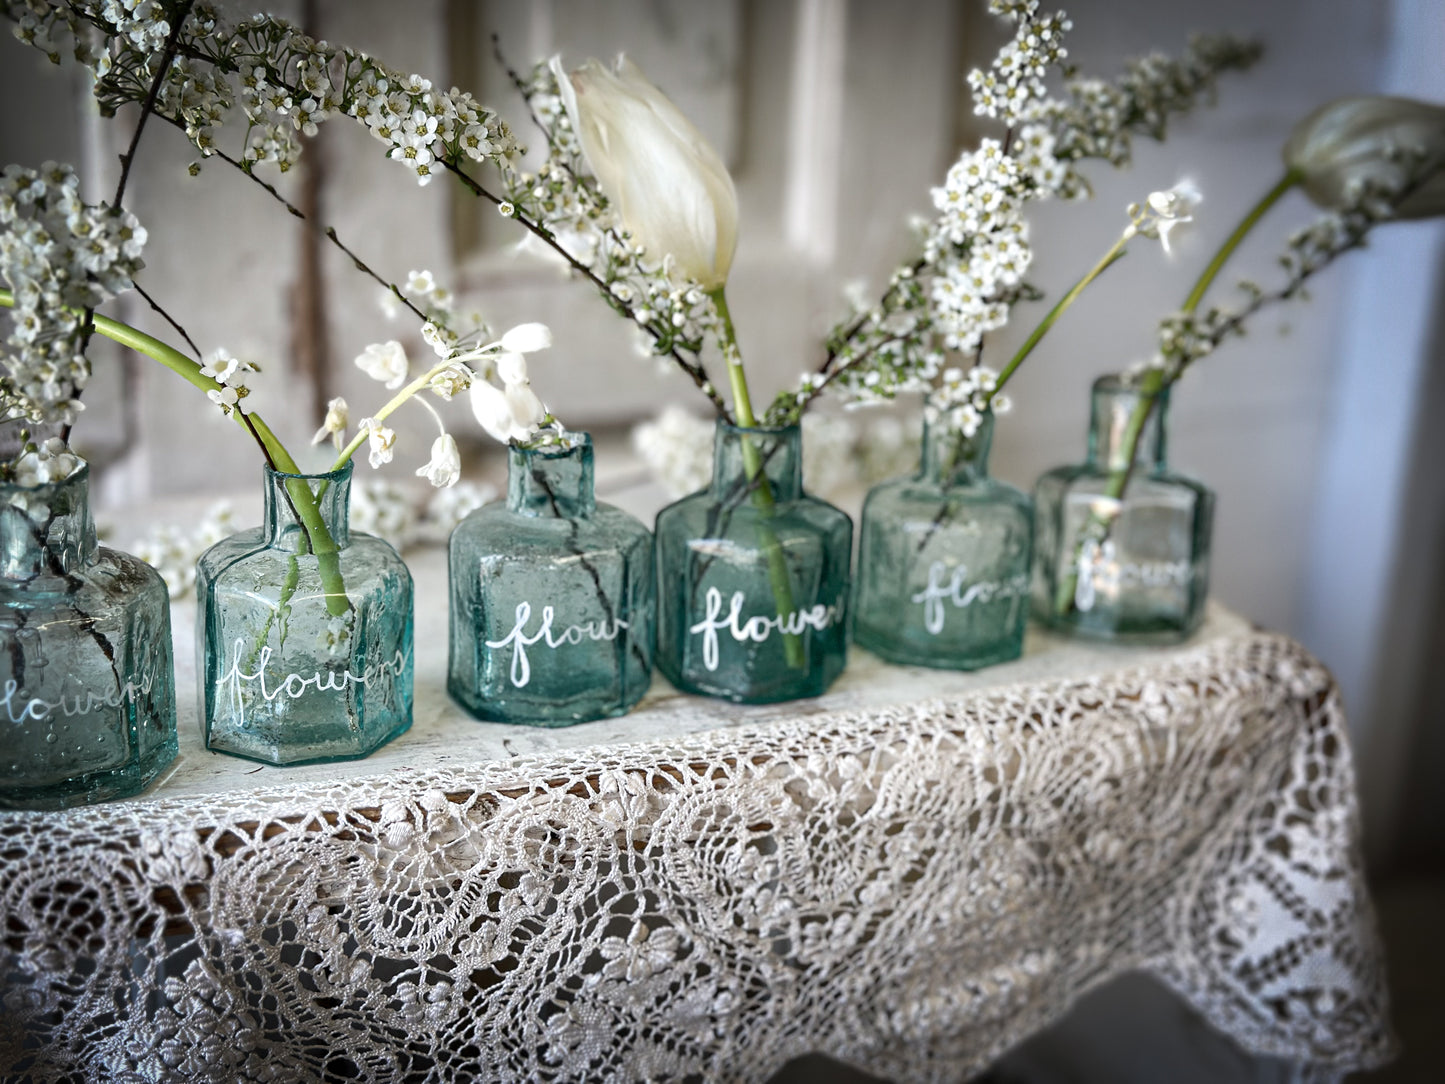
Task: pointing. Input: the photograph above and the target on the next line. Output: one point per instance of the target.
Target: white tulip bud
(1390, 142)
(662, 177)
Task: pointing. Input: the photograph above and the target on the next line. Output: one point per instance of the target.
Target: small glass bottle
(305, 629)
(1133, 567)
(943, 560)
(553, 612)
(89, 710)
(753, 576)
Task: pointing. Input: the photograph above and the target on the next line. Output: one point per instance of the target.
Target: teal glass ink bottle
(553, 611)
(1133, 567)
(753, 576)
(89, 708)
(943, 560)
(305, 631)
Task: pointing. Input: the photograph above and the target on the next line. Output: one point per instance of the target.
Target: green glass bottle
(753, 576)
(89, 708)
(943, 560)
(1134, 568)
(553, 613)
(305, 634)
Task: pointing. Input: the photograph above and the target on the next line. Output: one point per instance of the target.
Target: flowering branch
(976, 251)
(692, 367)
(1370, 160)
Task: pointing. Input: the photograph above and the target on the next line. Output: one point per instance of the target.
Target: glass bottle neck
(46, 529)
(553, 480)
(299, 505)
(1115, 417)
(950, 458)
(740, 455)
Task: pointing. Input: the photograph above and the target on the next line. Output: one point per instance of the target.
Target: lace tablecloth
(910, 874)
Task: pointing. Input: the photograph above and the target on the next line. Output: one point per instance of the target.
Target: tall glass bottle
(305, 631)
(552, 606)
(1134, 568)
(89, 708)
(943, 560)
(753, 576)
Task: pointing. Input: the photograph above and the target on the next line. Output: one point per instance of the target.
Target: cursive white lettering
(18, 707)
(757, 628)
(521, 669)
(936, 594)
(1102, 573)
(294, 685)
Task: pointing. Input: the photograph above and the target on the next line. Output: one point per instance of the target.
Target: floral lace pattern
(911, 890)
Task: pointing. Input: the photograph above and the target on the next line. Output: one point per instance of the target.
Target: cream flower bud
(445, 466)
(1390, 142)
(385, 362)
(527, 339)
(494, 413)
(380, 442)
(335, 423)
(527, 410)
(664, 179)
(512, 368)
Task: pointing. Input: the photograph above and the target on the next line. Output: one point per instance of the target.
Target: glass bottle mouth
(950, 457)
(743, 453)
(304, 503)
(46, 528)
(552, 479)
(1115, 400)
(339, 475)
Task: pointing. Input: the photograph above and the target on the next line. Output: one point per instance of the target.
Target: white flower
(666, 182)
(219, 365)
(335, 424)
(449, 382)
(224, 397)
(1386, 142)
(512, 368)
(445, 466)
(494, 412)
(385, 362)
(380, 441)
(51, 462)
(434, 337)
(527, 339)
(1173, 207)
(527, 409)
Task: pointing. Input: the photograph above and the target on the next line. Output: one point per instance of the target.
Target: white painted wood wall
(836, 118)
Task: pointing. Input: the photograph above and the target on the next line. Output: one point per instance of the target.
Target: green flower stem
(762, 490)
(1291, 178)
(318, 537)
(390, 408)
(1099, 525)
(1116, 252)
(1111, 257)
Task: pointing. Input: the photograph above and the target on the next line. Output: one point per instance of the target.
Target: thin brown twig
(836, 345)
(329, 232)
(692, 369)
(167, 317)
(147, 108)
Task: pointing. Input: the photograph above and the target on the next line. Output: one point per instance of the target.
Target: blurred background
(836, 118)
